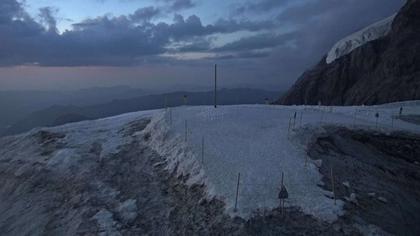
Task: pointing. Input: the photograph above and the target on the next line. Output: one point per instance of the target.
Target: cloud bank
(280, 38)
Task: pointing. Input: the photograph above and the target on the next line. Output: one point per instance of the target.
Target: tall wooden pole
(215, 86)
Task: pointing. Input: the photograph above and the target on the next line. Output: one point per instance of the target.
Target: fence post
(301, 115)
(332, 185)
(185, 100)
(170, 116)
(202, 150)
(392, 121)
(186, 131)
(237, 192)
(354, 118)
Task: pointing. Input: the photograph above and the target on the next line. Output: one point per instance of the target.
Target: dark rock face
(381, 71)
(381, 171)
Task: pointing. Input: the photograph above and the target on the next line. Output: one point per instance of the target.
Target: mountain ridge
(381, 71)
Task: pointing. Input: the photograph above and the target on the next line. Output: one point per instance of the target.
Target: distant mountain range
(58, 115)
(379, 64)
(15, 105)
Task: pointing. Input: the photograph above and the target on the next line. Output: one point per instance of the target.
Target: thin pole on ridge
(215, 85)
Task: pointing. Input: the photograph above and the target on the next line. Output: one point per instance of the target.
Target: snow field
(253, 140)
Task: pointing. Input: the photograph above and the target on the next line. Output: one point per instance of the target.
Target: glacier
(355, 40)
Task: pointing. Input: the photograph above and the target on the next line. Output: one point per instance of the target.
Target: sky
(172, 44)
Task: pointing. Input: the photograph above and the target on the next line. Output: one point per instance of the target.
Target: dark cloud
(261, 6)
(9, 9)
(135, 39)
(106, 40)
(229, 26)
(323, 22)
(241, 55)
(176, 5)
(47, 16)
(197, 44)
(145, 14)
(260, 41)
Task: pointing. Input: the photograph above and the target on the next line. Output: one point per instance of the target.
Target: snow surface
(253, 140)
(104, 132)
(355, 40)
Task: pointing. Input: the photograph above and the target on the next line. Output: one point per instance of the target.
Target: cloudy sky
(63, 44)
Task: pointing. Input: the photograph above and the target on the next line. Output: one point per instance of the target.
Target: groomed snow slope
(253, 140)
(355, 40)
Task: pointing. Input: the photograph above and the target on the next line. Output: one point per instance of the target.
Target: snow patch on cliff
(355, 40)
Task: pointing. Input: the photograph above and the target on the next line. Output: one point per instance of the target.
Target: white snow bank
(355, 40)
(253, 140)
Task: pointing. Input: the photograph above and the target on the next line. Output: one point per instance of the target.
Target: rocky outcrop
(381, 71)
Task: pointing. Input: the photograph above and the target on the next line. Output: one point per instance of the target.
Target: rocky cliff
(386, 69)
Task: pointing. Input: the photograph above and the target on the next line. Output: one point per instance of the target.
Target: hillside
(379, 64)
(176, 171)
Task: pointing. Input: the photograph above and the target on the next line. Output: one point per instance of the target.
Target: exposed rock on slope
(380, 71)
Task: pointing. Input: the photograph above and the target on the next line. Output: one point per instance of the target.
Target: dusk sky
(172, 44)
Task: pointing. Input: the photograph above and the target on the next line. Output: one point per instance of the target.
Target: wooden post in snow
(170, 116)
(332, 185)
(186, 131)
(283, 194)
(202, 150)
(392, 121)
(301, 115)
(354, 118)
(237, 192)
